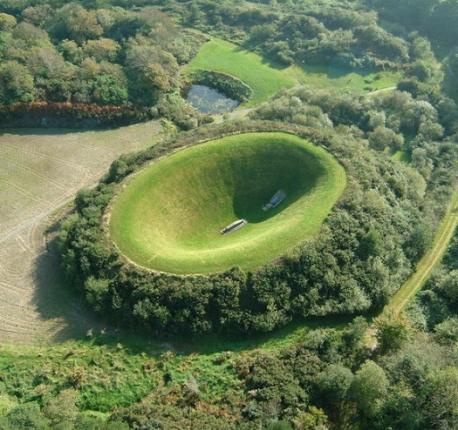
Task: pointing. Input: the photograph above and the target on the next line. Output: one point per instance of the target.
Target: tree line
(60, 52)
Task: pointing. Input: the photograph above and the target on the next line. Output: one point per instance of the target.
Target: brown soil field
(40, 173)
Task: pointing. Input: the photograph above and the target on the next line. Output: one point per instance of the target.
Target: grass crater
(168, 217)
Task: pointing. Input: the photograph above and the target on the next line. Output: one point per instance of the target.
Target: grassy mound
(169, 216)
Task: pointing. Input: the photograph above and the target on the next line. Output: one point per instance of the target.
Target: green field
(265, 79)
(169, 216)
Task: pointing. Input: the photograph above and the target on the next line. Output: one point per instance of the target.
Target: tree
(102, 49)
(27, 416)
(440, 395)
(333, 384)
(370, 244)
(312, 419)
(369, 387)
(419, 241)
(96, 292)
(195, 15)
(151, 71)
(392, 332)
(71, 51)
(7, 22)
(449, 287)
(382, 138)
(16, 83)
(73, 21)
(110, 89)
(446, 333)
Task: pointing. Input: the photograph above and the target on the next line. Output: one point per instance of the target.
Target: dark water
(209, 100)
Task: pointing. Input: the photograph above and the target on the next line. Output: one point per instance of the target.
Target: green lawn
(265, 79)
(343, 80)
(169, 216)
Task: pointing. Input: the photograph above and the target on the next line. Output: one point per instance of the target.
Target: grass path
(429, 261)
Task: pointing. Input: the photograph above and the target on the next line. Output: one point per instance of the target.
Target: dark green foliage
(230, 301)
(228, 85)
(95, 64)
(392, 333)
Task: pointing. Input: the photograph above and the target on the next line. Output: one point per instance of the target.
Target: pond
(210, 100)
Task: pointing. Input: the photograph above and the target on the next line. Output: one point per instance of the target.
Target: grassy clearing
(344, 80)
(220, 56)
(266, 79)
(169, 216)
(402, 156)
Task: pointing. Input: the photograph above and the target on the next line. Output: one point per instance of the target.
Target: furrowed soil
(40, 173)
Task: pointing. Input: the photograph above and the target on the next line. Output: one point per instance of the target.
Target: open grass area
(221, 56)
(169, 216)
(343, 80)
(402, 156)
(265, 79)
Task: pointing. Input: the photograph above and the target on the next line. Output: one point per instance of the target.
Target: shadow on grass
(249, 206)
(136, 342)
(55, 299)
(332, 70)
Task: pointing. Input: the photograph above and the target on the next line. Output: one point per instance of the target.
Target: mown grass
(221, 56)
(343, 79)
(266, 79)
(169, 216)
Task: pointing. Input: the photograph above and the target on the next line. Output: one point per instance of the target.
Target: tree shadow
(53, 131)
(56, 300)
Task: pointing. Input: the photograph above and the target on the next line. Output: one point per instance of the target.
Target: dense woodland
(124, 62)
(125, 53)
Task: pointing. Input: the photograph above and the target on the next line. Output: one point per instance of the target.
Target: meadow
(266, 79)
(221, 56)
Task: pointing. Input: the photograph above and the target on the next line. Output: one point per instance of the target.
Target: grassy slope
(168, 218)
(402, 156)
(266, 79)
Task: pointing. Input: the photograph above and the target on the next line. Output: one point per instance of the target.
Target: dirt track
(39, 174)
